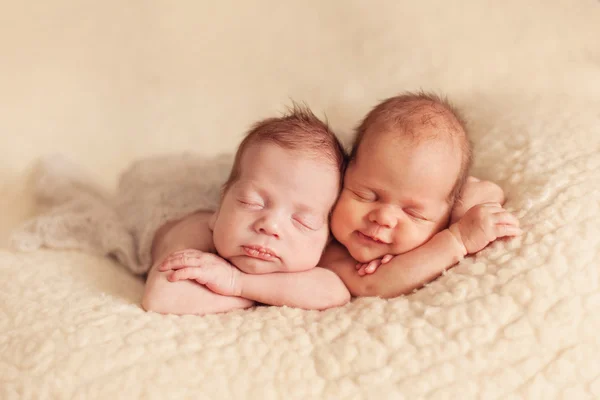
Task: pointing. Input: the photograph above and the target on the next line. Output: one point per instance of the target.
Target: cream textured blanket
(522, 317)
(107, 83)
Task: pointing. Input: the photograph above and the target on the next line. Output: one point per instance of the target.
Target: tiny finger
(492, 204)
(506, 218)
(167, 265)
(387, 258)
(508, 230)
(372, 265)
(174, 276)
(185, 274)
(171, 265)
(362, 270)
(181, 262)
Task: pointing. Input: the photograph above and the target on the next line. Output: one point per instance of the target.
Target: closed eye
(415, 215)
(364, 196)
(308, 223)
(250, 204)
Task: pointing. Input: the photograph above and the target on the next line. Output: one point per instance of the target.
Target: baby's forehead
(427, 168)
(304, 176)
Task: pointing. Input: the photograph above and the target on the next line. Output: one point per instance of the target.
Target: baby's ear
(212, 220)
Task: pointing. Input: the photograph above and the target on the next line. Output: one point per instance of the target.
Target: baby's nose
(268, 226)
(384, 216)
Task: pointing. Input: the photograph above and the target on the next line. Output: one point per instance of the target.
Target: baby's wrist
(454, 231)
(238, 280)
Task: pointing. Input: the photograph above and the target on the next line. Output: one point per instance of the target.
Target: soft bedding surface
(519, 320)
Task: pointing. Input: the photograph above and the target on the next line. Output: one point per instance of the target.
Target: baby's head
(409, 161)
(275, 206)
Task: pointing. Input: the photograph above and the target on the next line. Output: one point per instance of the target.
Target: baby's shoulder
(198, 219)
(197, 226)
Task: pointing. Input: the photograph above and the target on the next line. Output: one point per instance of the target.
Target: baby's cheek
(225, 238)
(315, 247)
(336, 230)
(341, 216)
(220, 244)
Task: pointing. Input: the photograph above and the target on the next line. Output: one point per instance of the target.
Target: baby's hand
(207, 269)
(371, 266)
(482, 225)
(474, 192)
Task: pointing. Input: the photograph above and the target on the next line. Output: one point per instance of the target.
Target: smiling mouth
(260, 252)
(370, 239)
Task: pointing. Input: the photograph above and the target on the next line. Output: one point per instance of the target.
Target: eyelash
(304, 225)
(250, 204)
(416, 216)
(364, 197)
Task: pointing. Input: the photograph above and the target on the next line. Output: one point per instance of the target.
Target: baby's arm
(184, 297)
(315, 289)
(404, 272)
(481, 225)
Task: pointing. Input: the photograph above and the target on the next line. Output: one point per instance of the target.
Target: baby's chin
(364, 254)
(254, 266)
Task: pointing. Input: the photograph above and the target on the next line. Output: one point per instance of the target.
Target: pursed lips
(260, 252)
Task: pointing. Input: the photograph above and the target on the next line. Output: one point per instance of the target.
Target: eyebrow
(410, 201)
(414, 203)
(245, 187)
